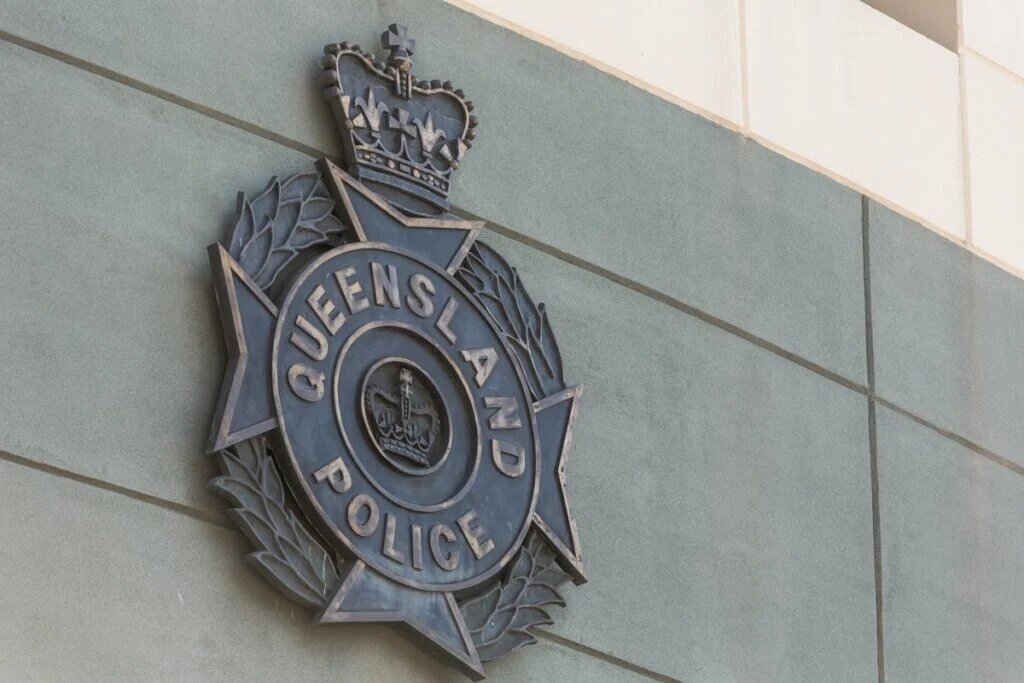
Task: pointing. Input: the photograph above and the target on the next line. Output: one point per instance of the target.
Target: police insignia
(393, 425)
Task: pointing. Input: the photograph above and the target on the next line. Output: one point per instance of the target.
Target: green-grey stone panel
(952, 558)
(100, 587)
(568, 155)
(949, 334)
(723, 494)
(739, 477)
(111, 348)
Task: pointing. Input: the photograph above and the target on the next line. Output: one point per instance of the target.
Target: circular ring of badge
(431, 474)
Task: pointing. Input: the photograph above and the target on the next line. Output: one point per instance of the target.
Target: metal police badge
(393, 425)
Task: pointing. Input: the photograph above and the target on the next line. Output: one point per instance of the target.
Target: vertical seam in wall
(965, 149)
(744, 90)
(876, 525)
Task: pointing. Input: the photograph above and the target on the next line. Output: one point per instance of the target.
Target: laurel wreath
(287, 554)
(502, 619)
(496, 285)
(269, 232)
(283, 220)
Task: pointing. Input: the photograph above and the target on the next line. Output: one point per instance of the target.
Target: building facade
(778, 243)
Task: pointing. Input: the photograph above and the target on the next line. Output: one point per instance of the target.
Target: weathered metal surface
(411, 390)
(402, 136)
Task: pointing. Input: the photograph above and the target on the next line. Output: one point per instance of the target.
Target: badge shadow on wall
(393, 426)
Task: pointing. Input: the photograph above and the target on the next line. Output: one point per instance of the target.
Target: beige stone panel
(995, 28)
(689, 49)
(863, 96)
(995, 130)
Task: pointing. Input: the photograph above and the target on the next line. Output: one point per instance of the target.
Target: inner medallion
(405, 416)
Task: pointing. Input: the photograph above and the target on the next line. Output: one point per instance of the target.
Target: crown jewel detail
(404, 426)
(405, 136)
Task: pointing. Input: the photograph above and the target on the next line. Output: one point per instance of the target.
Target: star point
(431, 618)
(444, 241)
(556, 421)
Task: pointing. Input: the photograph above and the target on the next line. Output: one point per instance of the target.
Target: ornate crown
(406, 137)
(405, 426)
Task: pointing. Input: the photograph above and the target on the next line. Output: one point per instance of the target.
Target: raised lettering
(483, 361)
(389, 539)
(420, 300)
(307, 383)
(352, 291)
(474, 533)
(320, 352)
(507, 414)
(500, 449)
(324, 310)
(447, 561)
(445, 319)
(336, 475)
(385, 283)
(417, 547)
(355, 506)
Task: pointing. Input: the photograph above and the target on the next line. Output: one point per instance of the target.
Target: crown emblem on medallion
(405, 137)
(405, 425)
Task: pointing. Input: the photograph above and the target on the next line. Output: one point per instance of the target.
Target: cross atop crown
(401, 44)
(403, 136)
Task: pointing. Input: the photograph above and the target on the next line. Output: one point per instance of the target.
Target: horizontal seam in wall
(165, 95)
(523, 239)
(954, 437)
(221, 523)
(1002, 68)
(604, 657)
(179, 508)
(670, 301)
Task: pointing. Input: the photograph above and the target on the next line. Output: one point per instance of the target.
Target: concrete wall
(917, 103)
(799, 448)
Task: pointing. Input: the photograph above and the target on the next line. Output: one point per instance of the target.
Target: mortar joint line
(604, 656)
(876, 522)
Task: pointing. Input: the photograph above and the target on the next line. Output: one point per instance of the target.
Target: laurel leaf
(510, 642)
(511, 591)
(284, 219)
(540, 595)
(289, 214)
(552, 576)
(271, 482)
(283, 576)
(255, 528)
(316, 210)
(234, 465)
(497, 625)
(264, 207)
(236, 491)
(477, 610)
(523, 565)
(245, 225)
(315, 555)
(529, 617)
